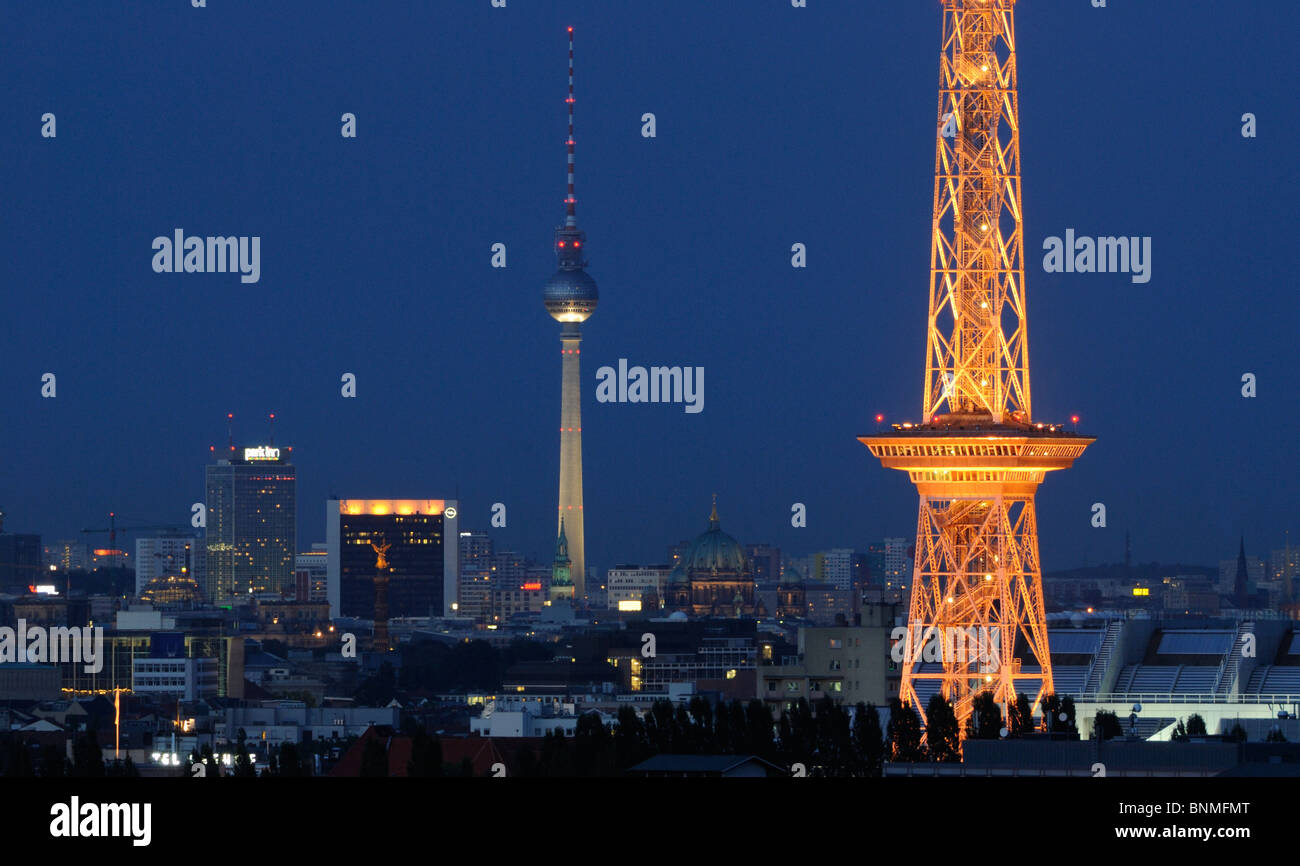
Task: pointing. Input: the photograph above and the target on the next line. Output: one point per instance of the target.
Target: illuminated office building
(423, 559)
(252, 524)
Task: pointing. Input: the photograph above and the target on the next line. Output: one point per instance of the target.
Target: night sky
(775, 126)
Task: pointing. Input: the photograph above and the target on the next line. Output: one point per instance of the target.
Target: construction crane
(112, 527)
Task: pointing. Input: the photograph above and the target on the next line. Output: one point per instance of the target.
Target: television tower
(570, 297)
(976, 457)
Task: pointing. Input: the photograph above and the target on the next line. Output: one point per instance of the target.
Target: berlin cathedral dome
(712, 577)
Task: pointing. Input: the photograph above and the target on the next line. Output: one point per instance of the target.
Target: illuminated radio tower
(976, 458)
(570, 297)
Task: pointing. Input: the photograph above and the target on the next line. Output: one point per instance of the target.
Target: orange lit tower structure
(570, 297)
(977, 458)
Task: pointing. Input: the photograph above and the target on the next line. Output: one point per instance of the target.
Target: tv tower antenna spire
(570, 297)
(570, 203)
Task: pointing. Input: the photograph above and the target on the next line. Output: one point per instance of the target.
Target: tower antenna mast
(570, 203)
(570, 297)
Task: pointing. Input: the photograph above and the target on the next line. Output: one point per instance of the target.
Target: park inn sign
(261, 452)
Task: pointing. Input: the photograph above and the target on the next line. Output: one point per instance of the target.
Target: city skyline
(343, 290)
(282, 497)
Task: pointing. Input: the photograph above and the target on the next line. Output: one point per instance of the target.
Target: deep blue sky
(775, 124)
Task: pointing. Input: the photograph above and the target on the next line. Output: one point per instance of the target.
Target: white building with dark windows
(294, 722)
(186, 678)
(628, 585)
(162, 556)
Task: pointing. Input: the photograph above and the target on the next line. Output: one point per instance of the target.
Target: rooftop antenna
(230, 430)
(272, 428)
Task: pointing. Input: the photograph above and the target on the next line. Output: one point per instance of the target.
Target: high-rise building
(1256, 572)
(898, 562)
(167, 555)
(861, 571)
(874, 557)
(475, 594)
(509, 567)
(423, 561)
(570, 297)
(69, 555)
(20, 559)
(888, 562)
(1284, 565)
(252, 524)
(837, 567)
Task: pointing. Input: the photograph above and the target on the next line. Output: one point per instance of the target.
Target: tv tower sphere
(570, 295)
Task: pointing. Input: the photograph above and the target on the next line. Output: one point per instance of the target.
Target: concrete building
(25, 681)
(898, 562)
(828, 605)
(837, 567)
(170, 554)
(506, 718)
(293, 722)
(631, 586)
(846, 663)
(311, 574)
(189, 679)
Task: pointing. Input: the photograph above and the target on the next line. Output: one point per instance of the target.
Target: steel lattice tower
(976, 458)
